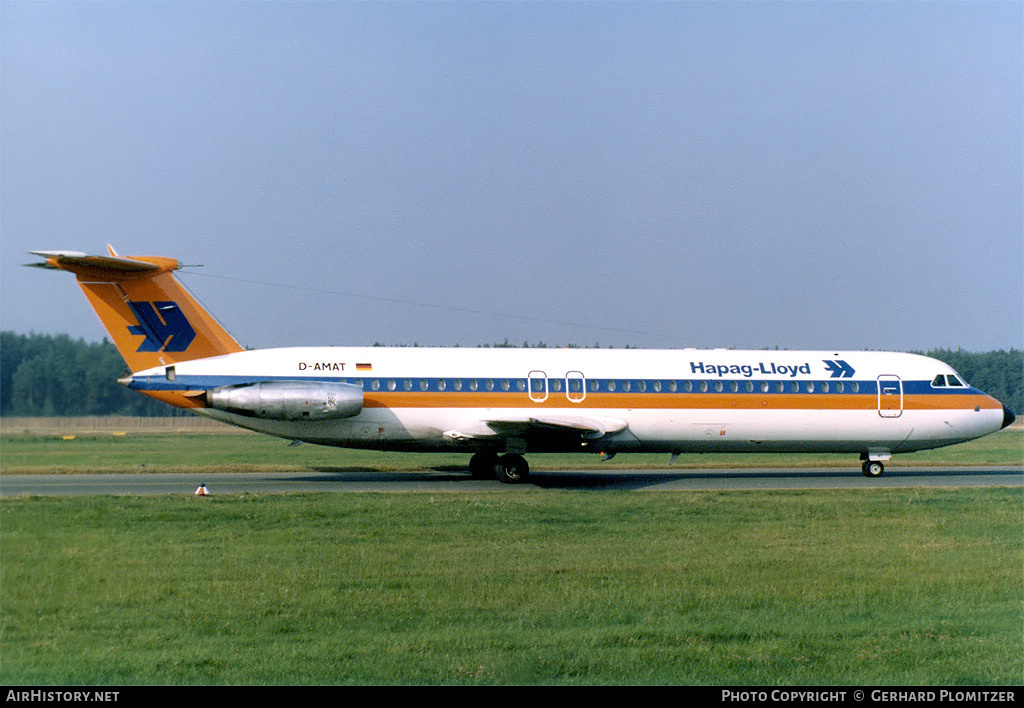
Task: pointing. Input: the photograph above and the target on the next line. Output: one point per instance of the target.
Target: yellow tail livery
(150, 316)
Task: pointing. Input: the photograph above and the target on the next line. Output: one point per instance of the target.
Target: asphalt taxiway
(452, 481)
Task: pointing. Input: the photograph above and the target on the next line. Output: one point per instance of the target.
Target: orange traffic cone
(202, 491)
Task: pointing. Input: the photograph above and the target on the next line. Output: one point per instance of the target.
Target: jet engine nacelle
(289, 400)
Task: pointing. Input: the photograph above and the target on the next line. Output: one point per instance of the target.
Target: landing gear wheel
(872, 468)
(512, 469)
(484, 465)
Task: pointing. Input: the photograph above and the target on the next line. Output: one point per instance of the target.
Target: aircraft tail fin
(150, 316)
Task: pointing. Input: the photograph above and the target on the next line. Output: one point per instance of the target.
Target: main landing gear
(510, 469)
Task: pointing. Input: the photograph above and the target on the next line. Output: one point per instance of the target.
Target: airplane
(499, 404)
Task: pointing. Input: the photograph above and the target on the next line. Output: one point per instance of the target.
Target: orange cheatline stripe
(179, 399)
(634, 401)
(663, 401)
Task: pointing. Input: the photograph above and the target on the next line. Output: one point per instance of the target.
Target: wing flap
(589, 428)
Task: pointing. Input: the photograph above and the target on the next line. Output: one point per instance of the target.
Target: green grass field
(911, 587)
(238, 452)
(517, 585)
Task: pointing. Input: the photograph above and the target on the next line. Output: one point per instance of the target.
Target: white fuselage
(603, 400)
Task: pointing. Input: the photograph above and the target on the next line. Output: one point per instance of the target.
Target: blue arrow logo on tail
(163, 325)
(840, 369)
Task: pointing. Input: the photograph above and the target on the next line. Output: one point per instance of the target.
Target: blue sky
(748, 174)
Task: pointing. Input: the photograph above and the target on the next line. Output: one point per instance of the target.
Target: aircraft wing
(587, 428)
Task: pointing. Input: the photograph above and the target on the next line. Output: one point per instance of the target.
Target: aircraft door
(890, 396)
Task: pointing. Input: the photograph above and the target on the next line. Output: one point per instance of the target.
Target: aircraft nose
(1008, 417)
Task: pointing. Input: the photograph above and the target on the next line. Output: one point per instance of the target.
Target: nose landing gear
(872, 468)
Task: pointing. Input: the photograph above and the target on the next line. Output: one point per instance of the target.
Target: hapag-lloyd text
(748, 370)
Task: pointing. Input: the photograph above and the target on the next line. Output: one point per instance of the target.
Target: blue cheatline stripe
(558, 386)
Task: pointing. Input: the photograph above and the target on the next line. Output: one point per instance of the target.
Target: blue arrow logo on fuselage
(840, 369)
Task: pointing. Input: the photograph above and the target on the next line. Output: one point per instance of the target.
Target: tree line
(55, 375)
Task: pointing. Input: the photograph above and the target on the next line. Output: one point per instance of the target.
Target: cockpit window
(944, 380)
(953, 381)
(940, 380)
